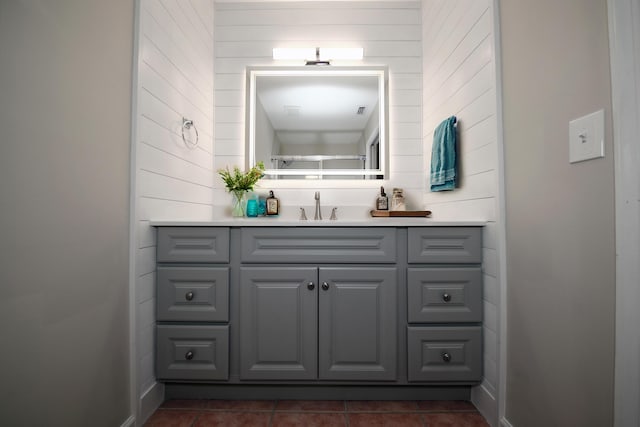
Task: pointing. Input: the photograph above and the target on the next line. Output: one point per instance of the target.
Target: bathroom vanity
(249, 310)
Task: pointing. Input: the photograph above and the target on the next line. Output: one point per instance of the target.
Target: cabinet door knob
(446, 357)
(189, 355)
(310, 286)
(446, 297)
(325, 286)
(189, 296)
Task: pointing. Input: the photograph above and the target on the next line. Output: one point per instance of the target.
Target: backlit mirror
(311, 123)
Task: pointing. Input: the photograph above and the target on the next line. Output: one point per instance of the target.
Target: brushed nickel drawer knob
(446, 357)
(189, 355)
(446, 297)
(310, 286)
(325, 286)
(189, 296)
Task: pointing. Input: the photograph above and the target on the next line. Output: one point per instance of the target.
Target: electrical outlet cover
(586, 137)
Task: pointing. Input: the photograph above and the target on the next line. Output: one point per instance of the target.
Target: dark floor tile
(381, 406)
(445, 405)
(172, 418)
(455, 419)
(309, 419)
(311, 405)
(185, 404)
(233, 419)
(385, 420)
(241, 405)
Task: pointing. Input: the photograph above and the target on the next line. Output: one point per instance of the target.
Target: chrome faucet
(318, 215)
(334, 217)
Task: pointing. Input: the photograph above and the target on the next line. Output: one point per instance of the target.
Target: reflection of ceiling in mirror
(319, 137)
(317, 104)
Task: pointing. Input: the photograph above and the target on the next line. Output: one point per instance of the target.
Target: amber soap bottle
(273, 204)
(382, 202)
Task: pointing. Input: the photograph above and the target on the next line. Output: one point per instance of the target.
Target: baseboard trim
(486, 403)
(505, 423)
(130, 422)
(150, 401)
(315, 392)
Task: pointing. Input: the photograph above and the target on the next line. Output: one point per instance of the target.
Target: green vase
(237, 209)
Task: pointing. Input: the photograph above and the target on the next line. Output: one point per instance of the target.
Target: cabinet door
(278, 323)
(357, 330)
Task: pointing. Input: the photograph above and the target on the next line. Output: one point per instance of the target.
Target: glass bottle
(397, 200)
(382, 202)
(273, 204)
(252, 207)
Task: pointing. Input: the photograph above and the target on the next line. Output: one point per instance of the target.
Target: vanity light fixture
(318, 55)
(331, 53)
(284, 53)
(318, 60)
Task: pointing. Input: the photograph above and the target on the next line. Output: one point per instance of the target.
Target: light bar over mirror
(318, 54)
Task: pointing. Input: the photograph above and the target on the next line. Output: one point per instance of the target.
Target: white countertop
(347, 217)
(277, 222)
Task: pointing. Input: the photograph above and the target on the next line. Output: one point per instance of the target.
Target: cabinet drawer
(194, 352)
(444, 353)
(444, 295)
(319, 245)
(193, 244)
(445, 245)
(192, 294)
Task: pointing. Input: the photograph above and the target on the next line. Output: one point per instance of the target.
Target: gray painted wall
(65, 85)
(560, 216)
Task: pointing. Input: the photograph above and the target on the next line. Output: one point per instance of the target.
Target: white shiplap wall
(459, 71)
(171, 180)
(389, 32)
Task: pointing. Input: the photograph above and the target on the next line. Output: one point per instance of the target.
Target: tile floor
(320, 413)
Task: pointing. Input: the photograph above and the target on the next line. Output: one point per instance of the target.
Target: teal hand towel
(443, 156)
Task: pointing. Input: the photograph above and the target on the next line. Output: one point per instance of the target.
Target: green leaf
(239, 181)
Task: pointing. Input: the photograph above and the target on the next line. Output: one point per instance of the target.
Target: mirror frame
(371, 175)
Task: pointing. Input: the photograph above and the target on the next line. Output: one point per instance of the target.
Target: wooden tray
(397, 214)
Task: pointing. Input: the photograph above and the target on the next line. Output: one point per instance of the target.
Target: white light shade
(303, 53)
(331, 53)
(326, 53)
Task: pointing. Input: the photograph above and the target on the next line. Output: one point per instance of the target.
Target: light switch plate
(586, 137)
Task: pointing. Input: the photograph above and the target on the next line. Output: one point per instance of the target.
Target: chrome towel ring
(188, 124)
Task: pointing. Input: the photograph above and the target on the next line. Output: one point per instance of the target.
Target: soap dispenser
(273, 204)
(382, 202)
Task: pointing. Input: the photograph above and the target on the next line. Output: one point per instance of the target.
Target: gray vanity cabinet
(328, 323)
(255, 311)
